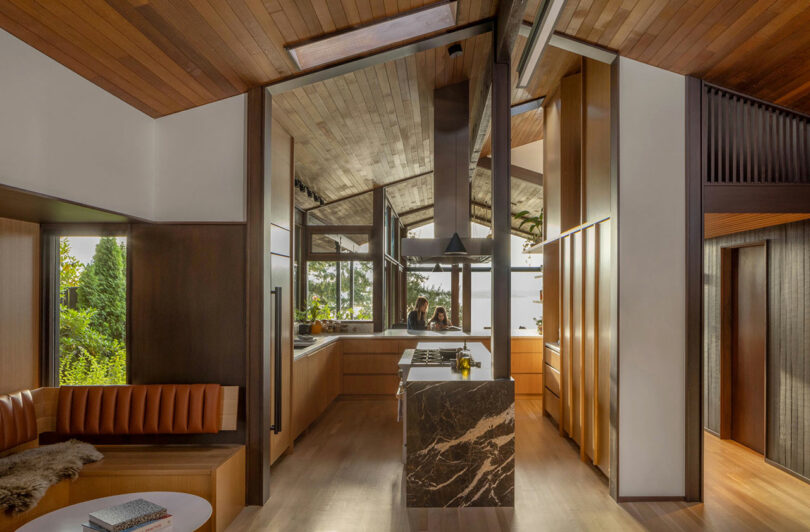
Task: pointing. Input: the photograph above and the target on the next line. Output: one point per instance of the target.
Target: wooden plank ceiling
(164, 56)
(758, 47)
(374, 126)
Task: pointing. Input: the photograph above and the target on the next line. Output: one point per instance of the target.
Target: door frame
(727, 330)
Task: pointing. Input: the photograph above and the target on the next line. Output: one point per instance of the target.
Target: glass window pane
(92, 310)
(356, 297)
(340, 243)
(435, 286)
(356, 290)
(481, 312)
(525, 302)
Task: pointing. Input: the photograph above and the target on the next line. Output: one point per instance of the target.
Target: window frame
(50, 269)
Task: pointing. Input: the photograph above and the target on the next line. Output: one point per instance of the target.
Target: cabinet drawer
(527, 362)
(370, 385)
(527, 345)
(528, 383)
(552, 379)
(370, 364)
(552, 405)
(374, 346)
(552, 358)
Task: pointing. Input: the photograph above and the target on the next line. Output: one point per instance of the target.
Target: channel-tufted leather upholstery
(139, 409)
(18, 419)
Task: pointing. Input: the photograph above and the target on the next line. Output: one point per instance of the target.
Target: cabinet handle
(277, 413)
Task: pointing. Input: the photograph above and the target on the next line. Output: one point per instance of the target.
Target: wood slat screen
(749, 142)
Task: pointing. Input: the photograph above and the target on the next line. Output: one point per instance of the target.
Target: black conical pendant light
(437, 268)
(455, 247)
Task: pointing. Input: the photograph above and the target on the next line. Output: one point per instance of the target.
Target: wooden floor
(345, 475)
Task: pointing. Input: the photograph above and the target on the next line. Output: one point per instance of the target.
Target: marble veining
(460, 443)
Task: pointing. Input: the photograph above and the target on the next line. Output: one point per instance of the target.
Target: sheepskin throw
(27, 475)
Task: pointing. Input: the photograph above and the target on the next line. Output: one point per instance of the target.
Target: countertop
(445, 373)
(324, 340)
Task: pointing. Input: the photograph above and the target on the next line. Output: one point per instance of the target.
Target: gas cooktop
(434, 357)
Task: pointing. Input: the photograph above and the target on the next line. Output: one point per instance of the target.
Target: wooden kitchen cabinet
(527, 366)
(316, 383)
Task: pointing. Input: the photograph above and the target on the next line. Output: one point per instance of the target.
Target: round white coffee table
(189, 512)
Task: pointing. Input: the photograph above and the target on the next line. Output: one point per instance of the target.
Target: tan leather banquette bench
(214, 472)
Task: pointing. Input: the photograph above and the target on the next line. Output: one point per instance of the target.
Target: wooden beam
(509, 16)
(377, 248)
(528, 105)
(574, 45)
(391, 54)
(516, 172)
(416, 210)
(502, 198)
(372, 189)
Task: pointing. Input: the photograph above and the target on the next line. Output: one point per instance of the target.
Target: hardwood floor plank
(346, 474)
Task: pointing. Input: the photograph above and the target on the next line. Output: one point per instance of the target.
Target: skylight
(352, 42)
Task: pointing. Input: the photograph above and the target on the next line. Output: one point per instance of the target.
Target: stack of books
(138, 515)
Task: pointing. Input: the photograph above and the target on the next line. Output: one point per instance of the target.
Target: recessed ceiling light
(547, 15)
(355, 41)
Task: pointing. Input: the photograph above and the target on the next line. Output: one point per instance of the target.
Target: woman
(439, 321)
(418, 316)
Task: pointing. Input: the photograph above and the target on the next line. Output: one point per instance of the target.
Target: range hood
(451, 185)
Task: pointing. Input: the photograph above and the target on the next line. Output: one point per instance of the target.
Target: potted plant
(315, 312)
(303, 326)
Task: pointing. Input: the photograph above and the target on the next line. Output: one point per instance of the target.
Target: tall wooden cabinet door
(590, 337)
(565, 336)
(280, 278)
(281, 176)
(577, 366)
(602, 458)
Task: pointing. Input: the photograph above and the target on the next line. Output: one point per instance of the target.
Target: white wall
(63, 136)
(201, 164)
(652, 240)
(529, 156)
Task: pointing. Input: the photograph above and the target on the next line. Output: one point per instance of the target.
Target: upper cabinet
(576, 150)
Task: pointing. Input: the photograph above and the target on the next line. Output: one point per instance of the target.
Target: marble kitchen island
(460, 433)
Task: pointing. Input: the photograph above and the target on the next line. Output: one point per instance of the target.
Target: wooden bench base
(215, 473)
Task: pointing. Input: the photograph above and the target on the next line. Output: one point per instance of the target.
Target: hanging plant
(533, 225)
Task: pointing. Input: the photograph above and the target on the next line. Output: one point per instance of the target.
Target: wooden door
(748, 346)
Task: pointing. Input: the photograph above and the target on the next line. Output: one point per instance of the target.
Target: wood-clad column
(258, 382)
(501, 216)
(378, 258)
(694, 293)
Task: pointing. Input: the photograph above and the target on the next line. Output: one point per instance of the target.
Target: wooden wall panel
(19, 305)
(596, 135)
(551, 292)
(720, 224)
(788, 366)
(552, 169)
(571, 152)
(187, 289)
